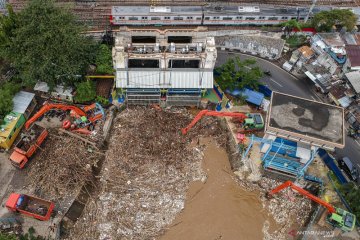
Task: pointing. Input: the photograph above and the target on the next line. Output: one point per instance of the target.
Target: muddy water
(218, 208)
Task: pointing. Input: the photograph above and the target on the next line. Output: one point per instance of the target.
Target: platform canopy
(307, 121)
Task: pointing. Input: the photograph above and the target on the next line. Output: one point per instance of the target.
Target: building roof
(332, 39)
(59, 89)
(253, 96)
(338, 91)
(306, 51)
(305, 120)
(42, 87)
(22, 101)
(8, 124)
(354, 79)
(353, 54)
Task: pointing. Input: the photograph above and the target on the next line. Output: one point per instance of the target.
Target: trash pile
(62, 166)
(147, 170)
(287, 207)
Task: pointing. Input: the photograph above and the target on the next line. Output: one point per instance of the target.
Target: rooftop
(22, 101)
(306, 120)
(332, 39)
(353, 54)
(306, 51)
(354, 79)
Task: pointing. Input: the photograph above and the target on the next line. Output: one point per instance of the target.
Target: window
(155, 18)
(284, 17)
(167, 18)
(198, 18)
(227, 18)
(302, 18)
(121, 18)
(261, 17)
(293, 18)
(144, 18)
(250, 18)
(272, 18)
(207, 18)
(178, 18)
(133, 18)
(216, 18)
(238, 18)
(189, 18)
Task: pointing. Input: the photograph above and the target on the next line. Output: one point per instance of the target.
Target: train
(212, 16)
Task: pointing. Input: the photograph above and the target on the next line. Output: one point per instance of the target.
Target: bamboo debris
(147, 170)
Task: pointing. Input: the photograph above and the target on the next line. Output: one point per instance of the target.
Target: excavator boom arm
(329, 207)
(211, 113)
(50, 106)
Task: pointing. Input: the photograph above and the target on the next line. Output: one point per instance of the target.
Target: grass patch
(295, 41)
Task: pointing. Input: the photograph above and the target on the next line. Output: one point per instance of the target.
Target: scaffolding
(274, 161)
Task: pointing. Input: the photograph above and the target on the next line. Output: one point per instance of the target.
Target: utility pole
(310, 10)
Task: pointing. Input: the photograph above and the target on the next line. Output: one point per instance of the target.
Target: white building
(174, 65)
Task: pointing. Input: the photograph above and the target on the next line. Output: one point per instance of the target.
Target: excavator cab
(342, 219)
(254, 121)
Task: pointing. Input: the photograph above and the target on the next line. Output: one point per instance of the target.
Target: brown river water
(219, 208)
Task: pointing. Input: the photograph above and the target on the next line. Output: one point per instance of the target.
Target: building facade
(171, 66)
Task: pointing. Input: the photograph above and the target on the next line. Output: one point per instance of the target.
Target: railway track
(97, 13)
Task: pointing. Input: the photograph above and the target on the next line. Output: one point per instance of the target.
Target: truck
(31, 206)
(27, 146)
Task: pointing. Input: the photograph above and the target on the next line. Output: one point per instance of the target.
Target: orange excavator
(251, 121)
(337, 217)
(90, 111)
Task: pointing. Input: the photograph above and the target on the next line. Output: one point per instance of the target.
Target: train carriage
(146, 15)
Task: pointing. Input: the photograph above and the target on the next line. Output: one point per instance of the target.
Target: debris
(147, 170)
(63, 168)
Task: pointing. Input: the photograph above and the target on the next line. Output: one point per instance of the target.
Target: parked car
(267, 73)
(348, 167)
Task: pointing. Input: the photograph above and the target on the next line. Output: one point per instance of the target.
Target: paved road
(282, 81)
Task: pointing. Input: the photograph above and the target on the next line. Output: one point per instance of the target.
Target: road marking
(357, 142)
(248, 67)
(275, 82)
(313, 98)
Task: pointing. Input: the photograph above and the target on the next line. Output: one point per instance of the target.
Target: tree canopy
(104, 60)
(7, 92)
(238, 74)
(325, 20)
(44, 42)
(352, 193)
(290, 25)
(85, 91)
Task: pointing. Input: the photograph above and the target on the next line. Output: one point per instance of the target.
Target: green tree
(4, 236)
(85, 91)
(351, 193)
(238, 74)
(44, 42)
(7, 92)
(325, 20)
(290, 25)
(104, 60)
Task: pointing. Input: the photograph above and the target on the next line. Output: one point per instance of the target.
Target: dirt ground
(219, 208)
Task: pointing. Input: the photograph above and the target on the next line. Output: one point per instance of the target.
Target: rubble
(62, 166)
(147, 170)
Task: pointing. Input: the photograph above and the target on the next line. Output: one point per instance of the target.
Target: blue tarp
(329, 161)
(251, 96)
(285, 151)
(265, 90)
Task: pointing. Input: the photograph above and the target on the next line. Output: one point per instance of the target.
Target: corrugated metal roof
(353, 54)
(354, 79)
(184, 78)
(22, 100)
